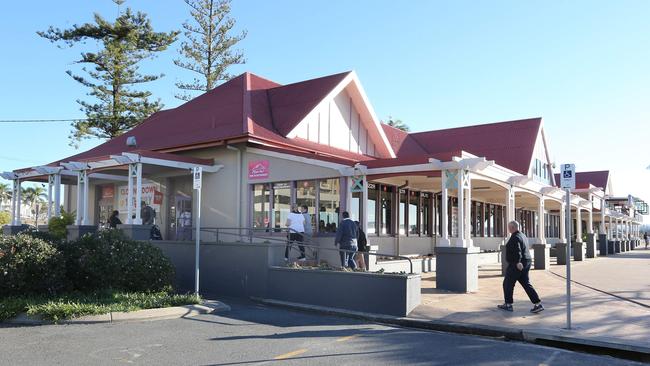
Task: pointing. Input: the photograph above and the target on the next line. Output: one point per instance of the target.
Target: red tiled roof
(584, 179)
(510, 144)
(402, 142)
(247, 106)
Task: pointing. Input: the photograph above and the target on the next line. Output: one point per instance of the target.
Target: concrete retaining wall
(251, 270)
(366, 292)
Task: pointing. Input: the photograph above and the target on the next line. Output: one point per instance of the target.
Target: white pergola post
(609, 229)
(50, 183)
(510, 205)
(138, 193)
(57, 195)
(16, 198)
(79, 198)
(602, 216)
(541, 235)
(461, 210)
(590, 222)
(129, 197)
(84, 175)
(364, 206)
(467, 186)
(563, 223)
(444, 234)
(578, 224)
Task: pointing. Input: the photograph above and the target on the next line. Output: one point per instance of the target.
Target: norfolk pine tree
(207, 49)
(112, 71)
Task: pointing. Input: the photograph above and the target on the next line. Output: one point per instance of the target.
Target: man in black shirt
(519, 262)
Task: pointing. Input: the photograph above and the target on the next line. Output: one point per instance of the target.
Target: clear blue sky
(581, 65)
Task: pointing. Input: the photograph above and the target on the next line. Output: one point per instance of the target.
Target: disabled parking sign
(568, 176)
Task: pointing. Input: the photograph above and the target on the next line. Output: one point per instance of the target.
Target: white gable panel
(324, 125)
(312, 127)
(540, 165)
(354, 132)
(345, 120)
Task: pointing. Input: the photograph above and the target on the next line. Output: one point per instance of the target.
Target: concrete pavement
(597, 313)
(254, 335)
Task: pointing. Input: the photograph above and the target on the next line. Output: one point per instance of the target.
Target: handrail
(250, 237)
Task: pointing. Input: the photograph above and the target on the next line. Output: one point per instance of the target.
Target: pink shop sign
(258, 169)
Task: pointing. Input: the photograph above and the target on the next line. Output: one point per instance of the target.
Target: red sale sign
(258, 169)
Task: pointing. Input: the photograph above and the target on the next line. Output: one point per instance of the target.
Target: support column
(85, 221)
(138, 193)
(563, 223)
(541, 249)
(461, 210)
(364, 206)
(578, 245)
(79, 198)
(57, 195)
(50, 183)
(129, 196)
(444, 212)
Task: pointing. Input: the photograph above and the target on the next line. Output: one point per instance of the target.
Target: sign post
(197, 174)
(568, 183)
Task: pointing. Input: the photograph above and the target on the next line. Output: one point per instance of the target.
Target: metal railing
(248, 234)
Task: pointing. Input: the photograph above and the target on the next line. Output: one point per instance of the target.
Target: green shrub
(57, 226)
(30, 265)
(5, 218)
(46, 236)
(108, 260)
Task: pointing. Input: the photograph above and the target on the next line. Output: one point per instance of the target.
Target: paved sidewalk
(597, 315)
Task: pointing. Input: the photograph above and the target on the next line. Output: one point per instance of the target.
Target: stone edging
(539, 336)
(174, 312)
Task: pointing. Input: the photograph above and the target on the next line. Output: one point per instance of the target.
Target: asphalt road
(252, 334)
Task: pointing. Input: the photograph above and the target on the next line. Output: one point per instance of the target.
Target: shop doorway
(181, 211)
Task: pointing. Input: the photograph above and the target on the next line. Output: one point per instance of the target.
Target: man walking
(519, 262)
(346, 239)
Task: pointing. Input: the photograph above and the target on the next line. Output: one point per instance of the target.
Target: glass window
(355, 206)
(306, 196)
(261, 205)
(425, 218)
(281, 203)
(372, 205)
(386, 209)
(414, 199)
(330, 202)
(402, 212)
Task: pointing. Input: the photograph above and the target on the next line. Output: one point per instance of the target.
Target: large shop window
(306, 196)
(414, 201)
(386, 209)
(425, 218)
(372, 208)
(330, 201)
(281, 203)
(261, 205)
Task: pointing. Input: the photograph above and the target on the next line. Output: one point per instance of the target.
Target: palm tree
(397, 123)
(34, 197)
(5, 193)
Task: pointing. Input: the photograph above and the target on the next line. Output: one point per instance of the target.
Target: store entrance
(181, 211)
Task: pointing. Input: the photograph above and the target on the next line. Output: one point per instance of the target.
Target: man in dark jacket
(519, 262)
(346, 239)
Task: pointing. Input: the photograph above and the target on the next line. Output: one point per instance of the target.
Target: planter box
(386, 294)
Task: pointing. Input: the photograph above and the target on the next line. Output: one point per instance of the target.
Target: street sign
(568, 176)
(197, 172)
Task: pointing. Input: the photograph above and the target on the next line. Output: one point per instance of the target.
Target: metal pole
(568, 225)
(197, 239)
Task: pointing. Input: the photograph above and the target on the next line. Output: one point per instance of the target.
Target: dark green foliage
(45, 236)
(113, 71)
(107, 260)
(208, 46)
(30, 265)
(72, 305)
(57, 227)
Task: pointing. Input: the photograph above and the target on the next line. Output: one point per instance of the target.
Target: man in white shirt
(296, 224)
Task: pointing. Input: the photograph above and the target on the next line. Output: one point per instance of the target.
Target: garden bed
(70, 306)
